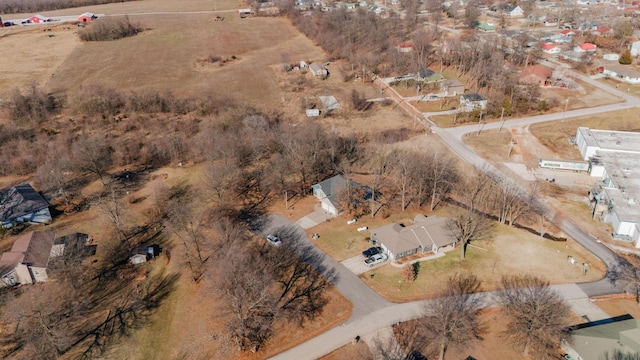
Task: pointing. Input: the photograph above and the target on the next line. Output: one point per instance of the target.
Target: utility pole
(286, 200)
(564, 114)
(502, 120)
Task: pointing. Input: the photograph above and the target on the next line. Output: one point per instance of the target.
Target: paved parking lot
(357, 266)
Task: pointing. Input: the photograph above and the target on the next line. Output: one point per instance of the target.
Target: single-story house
(602, 31)
(143, 253)
(590, 341)
(19, 204)
(405, 48)
(451, 87)
(536, 74)
(86, 17)
(635, 48)
(489, 27)
(472, 102)
(76, 246)
(331, 190)
(622, 73)
(548, 48)
(27, 261)
(318, 70)
(37, 19)
(586, 47)
(513, 11)
(429, 75)
(431, 233)
(611, 57)
(567, 33)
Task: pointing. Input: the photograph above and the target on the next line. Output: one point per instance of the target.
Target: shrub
(106, 29)
(34, 104)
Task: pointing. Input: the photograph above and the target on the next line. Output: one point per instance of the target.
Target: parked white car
(274, 240)
(375, 259)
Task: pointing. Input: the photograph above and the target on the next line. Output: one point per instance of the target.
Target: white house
(550, 49)
(635, 48)
(611, 57)
(622, 73)
(470, 102)
(513, 11)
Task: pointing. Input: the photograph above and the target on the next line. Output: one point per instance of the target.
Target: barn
(37, 19)
(86, 18)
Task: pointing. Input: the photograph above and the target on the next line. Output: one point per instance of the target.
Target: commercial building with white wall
(615, 159)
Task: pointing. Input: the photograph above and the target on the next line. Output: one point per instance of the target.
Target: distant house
(143, 253)
(451, 87)
(602, 31)
(586, 47)
(513, 11)
(635, 48)
(622, 73)
(486, 27)
(575, 56)
(405, 48)
(611, 57)
(331, 191)
(590, 341)
(86, 17)
(37, 19)
(470, 102)
(567, 33)
(536, 75)
(548, 48)
(21, 204)
(428, 75)
(427, 234)
(318, 70)
(27, 261)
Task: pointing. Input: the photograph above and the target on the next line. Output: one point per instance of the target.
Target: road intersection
(371, 312)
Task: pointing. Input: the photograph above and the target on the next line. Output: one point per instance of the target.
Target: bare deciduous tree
(452, 320)
(537, 315)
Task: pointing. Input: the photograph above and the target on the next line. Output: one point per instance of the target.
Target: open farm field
(166, 58)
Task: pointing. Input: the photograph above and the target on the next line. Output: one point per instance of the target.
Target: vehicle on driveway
(274, 240)
(372, 251)
(375, 260)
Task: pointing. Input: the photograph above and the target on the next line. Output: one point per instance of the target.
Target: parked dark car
(9, 23)
(372, 251)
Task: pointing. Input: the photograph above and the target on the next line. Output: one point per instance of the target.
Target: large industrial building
(615, 160)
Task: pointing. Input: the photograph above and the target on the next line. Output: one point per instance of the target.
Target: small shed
(143, 253)
(313, 112)
(329, 102)
(318, 70)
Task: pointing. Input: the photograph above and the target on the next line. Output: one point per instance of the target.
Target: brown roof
(36, 247)
(426, 232)
(9, 261)
(535, 74)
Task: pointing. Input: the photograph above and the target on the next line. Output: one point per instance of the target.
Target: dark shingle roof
(36, 247)
(18, 201)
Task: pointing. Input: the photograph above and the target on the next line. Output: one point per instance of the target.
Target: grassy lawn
(510, 251)
(632, 89)
(342, 241)
(619, 305)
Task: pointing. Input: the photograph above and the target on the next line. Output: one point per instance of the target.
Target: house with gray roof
(593, 340)
(427, 234)
(622, 73)
(28, 259)
(331, 191)
(19, 204)
(470, 102)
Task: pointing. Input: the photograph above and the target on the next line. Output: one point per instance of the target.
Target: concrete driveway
(318, 216)
(357, 266)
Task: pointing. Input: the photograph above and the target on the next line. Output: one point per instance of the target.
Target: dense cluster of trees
(109, 28)
(32, 6)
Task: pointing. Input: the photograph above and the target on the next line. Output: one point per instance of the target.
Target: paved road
(362, 297)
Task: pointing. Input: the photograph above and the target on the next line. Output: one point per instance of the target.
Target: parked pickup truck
(371, 251)
(375, 260)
